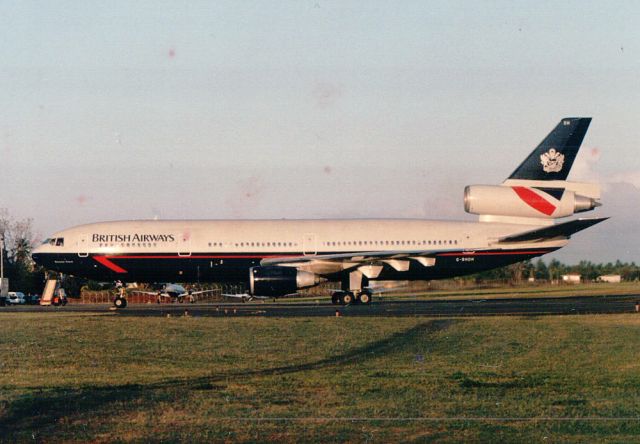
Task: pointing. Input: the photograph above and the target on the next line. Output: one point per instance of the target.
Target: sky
(310, 109)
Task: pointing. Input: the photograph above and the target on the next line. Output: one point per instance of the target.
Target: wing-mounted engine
(279, 281)
(530, 199)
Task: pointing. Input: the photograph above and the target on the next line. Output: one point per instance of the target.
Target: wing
(236, 296)
(152, 293)
(245, 296)
(194, 293)
(370, 263)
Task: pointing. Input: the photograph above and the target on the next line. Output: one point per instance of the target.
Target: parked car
(16, 297)
(33, 299)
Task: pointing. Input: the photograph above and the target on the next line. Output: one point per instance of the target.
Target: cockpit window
(60, 242)
(46, 241)
(56, 242)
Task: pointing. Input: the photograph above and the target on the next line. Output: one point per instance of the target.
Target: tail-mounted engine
(525, 201)
(279, 281)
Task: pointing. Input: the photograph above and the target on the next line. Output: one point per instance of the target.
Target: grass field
(80, 378)
(530, 291)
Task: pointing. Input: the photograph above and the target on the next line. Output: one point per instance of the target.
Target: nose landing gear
(121, 299)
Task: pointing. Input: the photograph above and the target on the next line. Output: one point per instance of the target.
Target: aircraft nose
(36, 257)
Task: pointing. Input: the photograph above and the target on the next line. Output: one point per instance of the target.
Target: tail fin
(553, 158)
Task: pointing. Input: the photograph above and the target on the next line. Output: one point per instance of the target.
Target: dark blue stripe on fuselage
(234, 267)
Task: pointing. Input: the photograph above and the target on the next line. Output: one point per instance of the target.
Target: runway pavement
(466, 307)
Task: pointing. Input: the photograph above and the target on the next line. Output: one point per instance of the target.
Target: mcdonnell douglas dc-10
(279, 257)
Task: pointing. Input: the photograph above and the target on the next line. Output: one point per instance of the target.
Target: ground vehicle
(16, 297)
(59, 298)
(33, 299)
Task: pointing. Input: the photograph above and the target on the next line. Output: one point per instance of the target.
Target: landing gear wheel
(365, 297)
(120, 302)
(335, 298)
(346, 298)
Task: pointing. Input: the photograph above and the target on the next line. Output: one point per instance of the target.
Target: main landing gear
(348, 297)
(354, 290)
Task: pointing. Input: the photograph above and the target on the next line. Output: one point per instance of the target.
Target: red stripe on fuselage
(201, 256)
(104, 260)
(494, 253)
(534, 200)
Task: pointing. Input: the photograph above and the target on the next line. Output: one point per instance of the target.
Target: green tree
(541, 271)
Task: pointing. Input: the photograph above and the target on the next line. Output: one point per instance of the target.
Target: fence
(210, 293)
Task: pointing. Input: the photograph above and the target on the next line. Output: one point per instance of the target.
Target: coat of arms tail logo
(552, 161)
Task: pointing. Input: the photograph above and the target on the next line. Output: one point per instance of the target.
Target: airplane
(175, 293)
(517, 220)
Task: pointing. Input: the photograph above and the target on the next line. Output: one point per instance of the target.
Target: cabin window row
(139, 245)
(255, 244)
(390, 242)
(341, 243)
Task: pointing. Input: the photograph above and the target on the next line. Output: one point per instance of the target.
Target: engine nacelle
(523, 201)
(279, 281)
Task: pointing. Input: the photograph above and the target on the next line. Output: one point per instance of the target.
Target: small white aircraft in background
(175, 293)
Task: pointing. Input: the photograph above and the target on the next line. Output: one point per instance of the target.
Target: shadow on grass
(43, 408)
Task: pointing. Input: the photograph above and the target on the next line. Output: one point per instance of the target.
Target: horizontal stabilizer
(563, 230)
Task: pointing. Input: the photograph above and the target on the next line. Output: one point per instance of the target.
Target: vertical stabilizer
(553, 157)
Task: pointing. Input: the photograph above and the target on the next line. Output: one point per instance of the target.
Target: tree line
(17, 242)
(554, 269)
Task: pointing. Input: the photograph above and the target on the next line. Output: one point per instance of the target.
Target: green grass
(532, 291)
(80, 378)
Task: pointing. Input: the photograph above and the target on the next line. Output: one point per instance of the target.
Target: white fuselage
(217, 250)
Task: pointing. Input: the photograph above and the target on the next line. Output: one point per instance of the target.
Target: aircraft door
(309, 244)
(83, 246)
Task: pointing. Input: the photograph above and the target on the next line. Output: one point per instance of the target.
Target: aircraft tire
(120, 302)
(335, 298)
(365, 298)
(346, 298)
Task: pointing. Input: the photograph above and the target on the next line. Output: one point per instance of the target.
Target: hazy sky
(310, 109)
